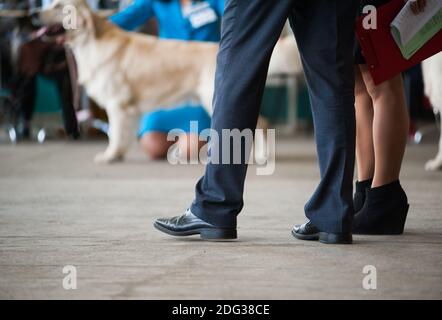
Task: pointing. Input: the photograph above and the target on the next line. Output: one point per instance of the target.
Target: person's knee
(373, 91)
(376, 92)
(390, 88)
(155, 145)
(360, 90)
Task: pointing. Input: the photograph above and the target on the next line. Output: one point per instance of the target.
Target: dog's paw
(261, 158)
(433, 165)
(103, 158)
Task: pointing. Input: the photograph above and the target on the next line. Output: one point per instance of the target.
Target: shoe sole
(335, 238)
(212, 234)
(325, 237)
(310, 237)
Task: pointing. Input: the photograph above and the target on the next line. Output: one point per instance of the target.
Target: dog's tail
(285, 59)
(432, 74)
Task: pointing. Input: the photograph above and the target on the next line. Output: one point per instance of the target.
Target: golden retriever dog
(127, 73)
(432, 74)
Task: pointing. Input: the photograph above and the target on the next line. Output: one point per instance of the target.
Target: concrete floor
(57, 208)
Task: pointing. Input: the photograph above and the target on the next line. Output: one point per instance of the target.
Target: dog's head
(75, 16)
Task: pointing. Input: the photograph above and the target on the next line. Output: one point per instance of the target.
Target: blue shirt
(172, 22)
(181, 117)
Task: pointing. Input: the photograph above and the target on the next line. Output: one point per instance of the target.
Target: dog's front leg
(436, 163)
(121, 134)
(260, 144)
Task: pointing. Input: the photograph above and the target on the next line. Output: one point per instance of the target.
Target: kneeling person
(155, 126)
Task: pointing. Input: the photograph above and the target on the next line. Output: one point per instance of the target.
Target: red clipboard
(382, 55)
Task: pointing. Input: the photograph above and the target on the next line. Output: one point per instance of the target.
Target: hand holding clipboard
(382, 54)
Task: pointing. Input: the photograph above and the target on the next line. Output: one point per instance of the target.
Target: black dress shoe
(308, 231)
(360, 192)
(384, 212)
(188, 224)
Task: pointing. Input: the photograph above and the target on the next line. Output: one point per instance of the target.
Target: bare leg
(390, 127)
(155, 145)
(364, 129)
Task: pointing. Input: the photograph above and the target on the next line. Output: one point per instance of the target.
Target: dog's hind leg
(260, 143)
(436, 163)
(121, 133)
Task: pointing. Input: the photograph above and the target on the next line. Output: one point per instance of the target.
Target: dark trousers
(63, 82)
(24, 92)
(324, 31)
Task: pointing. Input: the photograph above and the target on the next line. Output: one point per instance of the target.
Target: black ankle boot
(384, 212)
(359, 196)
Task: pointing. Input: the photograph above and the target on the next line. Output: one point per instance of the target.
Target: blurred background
(41, 99)
(58, 208)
